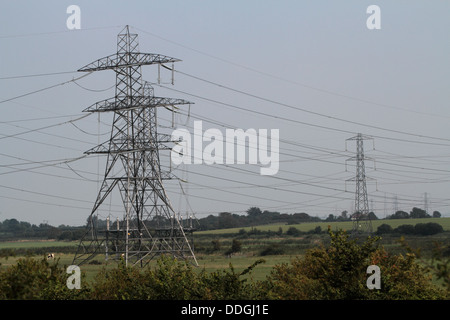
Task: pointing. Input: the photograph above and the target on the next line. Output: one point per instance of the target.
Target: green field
(27, 244)
(251, 246)
(346, 225)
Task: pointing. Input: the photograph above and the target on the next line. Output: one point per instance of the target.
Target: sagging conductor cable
(44, 89)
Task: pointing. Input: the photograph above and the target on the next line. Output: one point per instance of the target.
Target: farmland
(268, 262)
(269, 242)
(345, 225)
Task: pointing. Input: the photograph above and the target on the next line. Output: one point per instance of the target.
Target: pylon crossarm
(136, 102)
(117, 61)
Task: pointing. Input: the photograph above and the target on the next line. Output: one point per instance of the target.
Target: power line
(294, 143)
(43, 128)
(94, 90)
(287, 80)
(40, 118)
(308, 111)
(305, 123)
(36, 75)
(44, 89)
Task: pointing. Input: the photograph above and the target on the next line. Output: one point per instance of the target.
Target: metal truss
(149, 226)
(360, 217)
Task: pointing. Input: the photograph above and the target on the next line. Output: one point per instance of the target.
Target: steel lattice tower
(360, 217)
(426, 202)
(149, 226)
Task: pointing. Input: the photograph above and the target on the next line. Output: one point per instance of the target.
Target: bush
(405, 229)
(171, 279)
(384, 228)
(228, 285)
(273, 249)
(424, 229)
(427, 229)
(66, 235)
(339, 272)
(293, 231)
(36, 279)
(334, 271)
(215, 245)
(236, 246)
(121, 283)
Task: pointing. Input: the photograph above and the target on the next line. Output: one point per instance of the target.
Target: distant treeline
(13, 229)
(421, 229)
(255, 216)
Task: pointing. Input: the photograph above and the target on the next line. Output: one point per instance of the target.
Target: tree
(236, 246)
(399, 215)
(301, 217)
(436, 214)
(418, 213)
(227, 220)
(280, 231)
(372, 216)
(254, 211)
(66, 235)
(11, 225)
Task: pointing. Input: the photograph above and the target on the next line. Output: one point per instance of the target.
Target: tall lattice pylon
(149, 226)
(360, 217)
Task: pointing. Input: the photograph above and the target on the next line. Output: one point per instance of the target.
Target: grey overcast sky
(311, 69)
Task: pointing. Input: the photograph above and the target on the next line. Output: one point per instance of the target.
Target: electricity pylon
(360, 217)
(426, 202)
(149, 226)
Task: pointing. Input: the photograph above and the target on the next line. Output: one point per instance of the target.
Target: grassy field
(251, 246)
(27, 244)
(346, 225)
(212, 263)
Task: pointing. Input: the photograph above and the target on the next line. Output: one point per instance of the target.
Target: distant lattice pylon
(360, 216)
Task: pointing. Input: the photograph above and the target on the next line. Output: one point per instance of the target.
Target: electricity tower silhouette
(149, 225)
(360, 217)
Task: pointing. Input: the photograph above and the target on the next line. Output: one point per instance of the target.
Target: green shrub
(405, 229)
(293, 231)
(36, 279)
(426, 229)
(339, 272)
(273, 249)
(384, 228)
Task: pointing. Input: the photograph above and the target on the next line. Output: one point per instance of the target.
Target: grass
(28, 244)
(345, 225)
(211, 263)
(251, 247)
